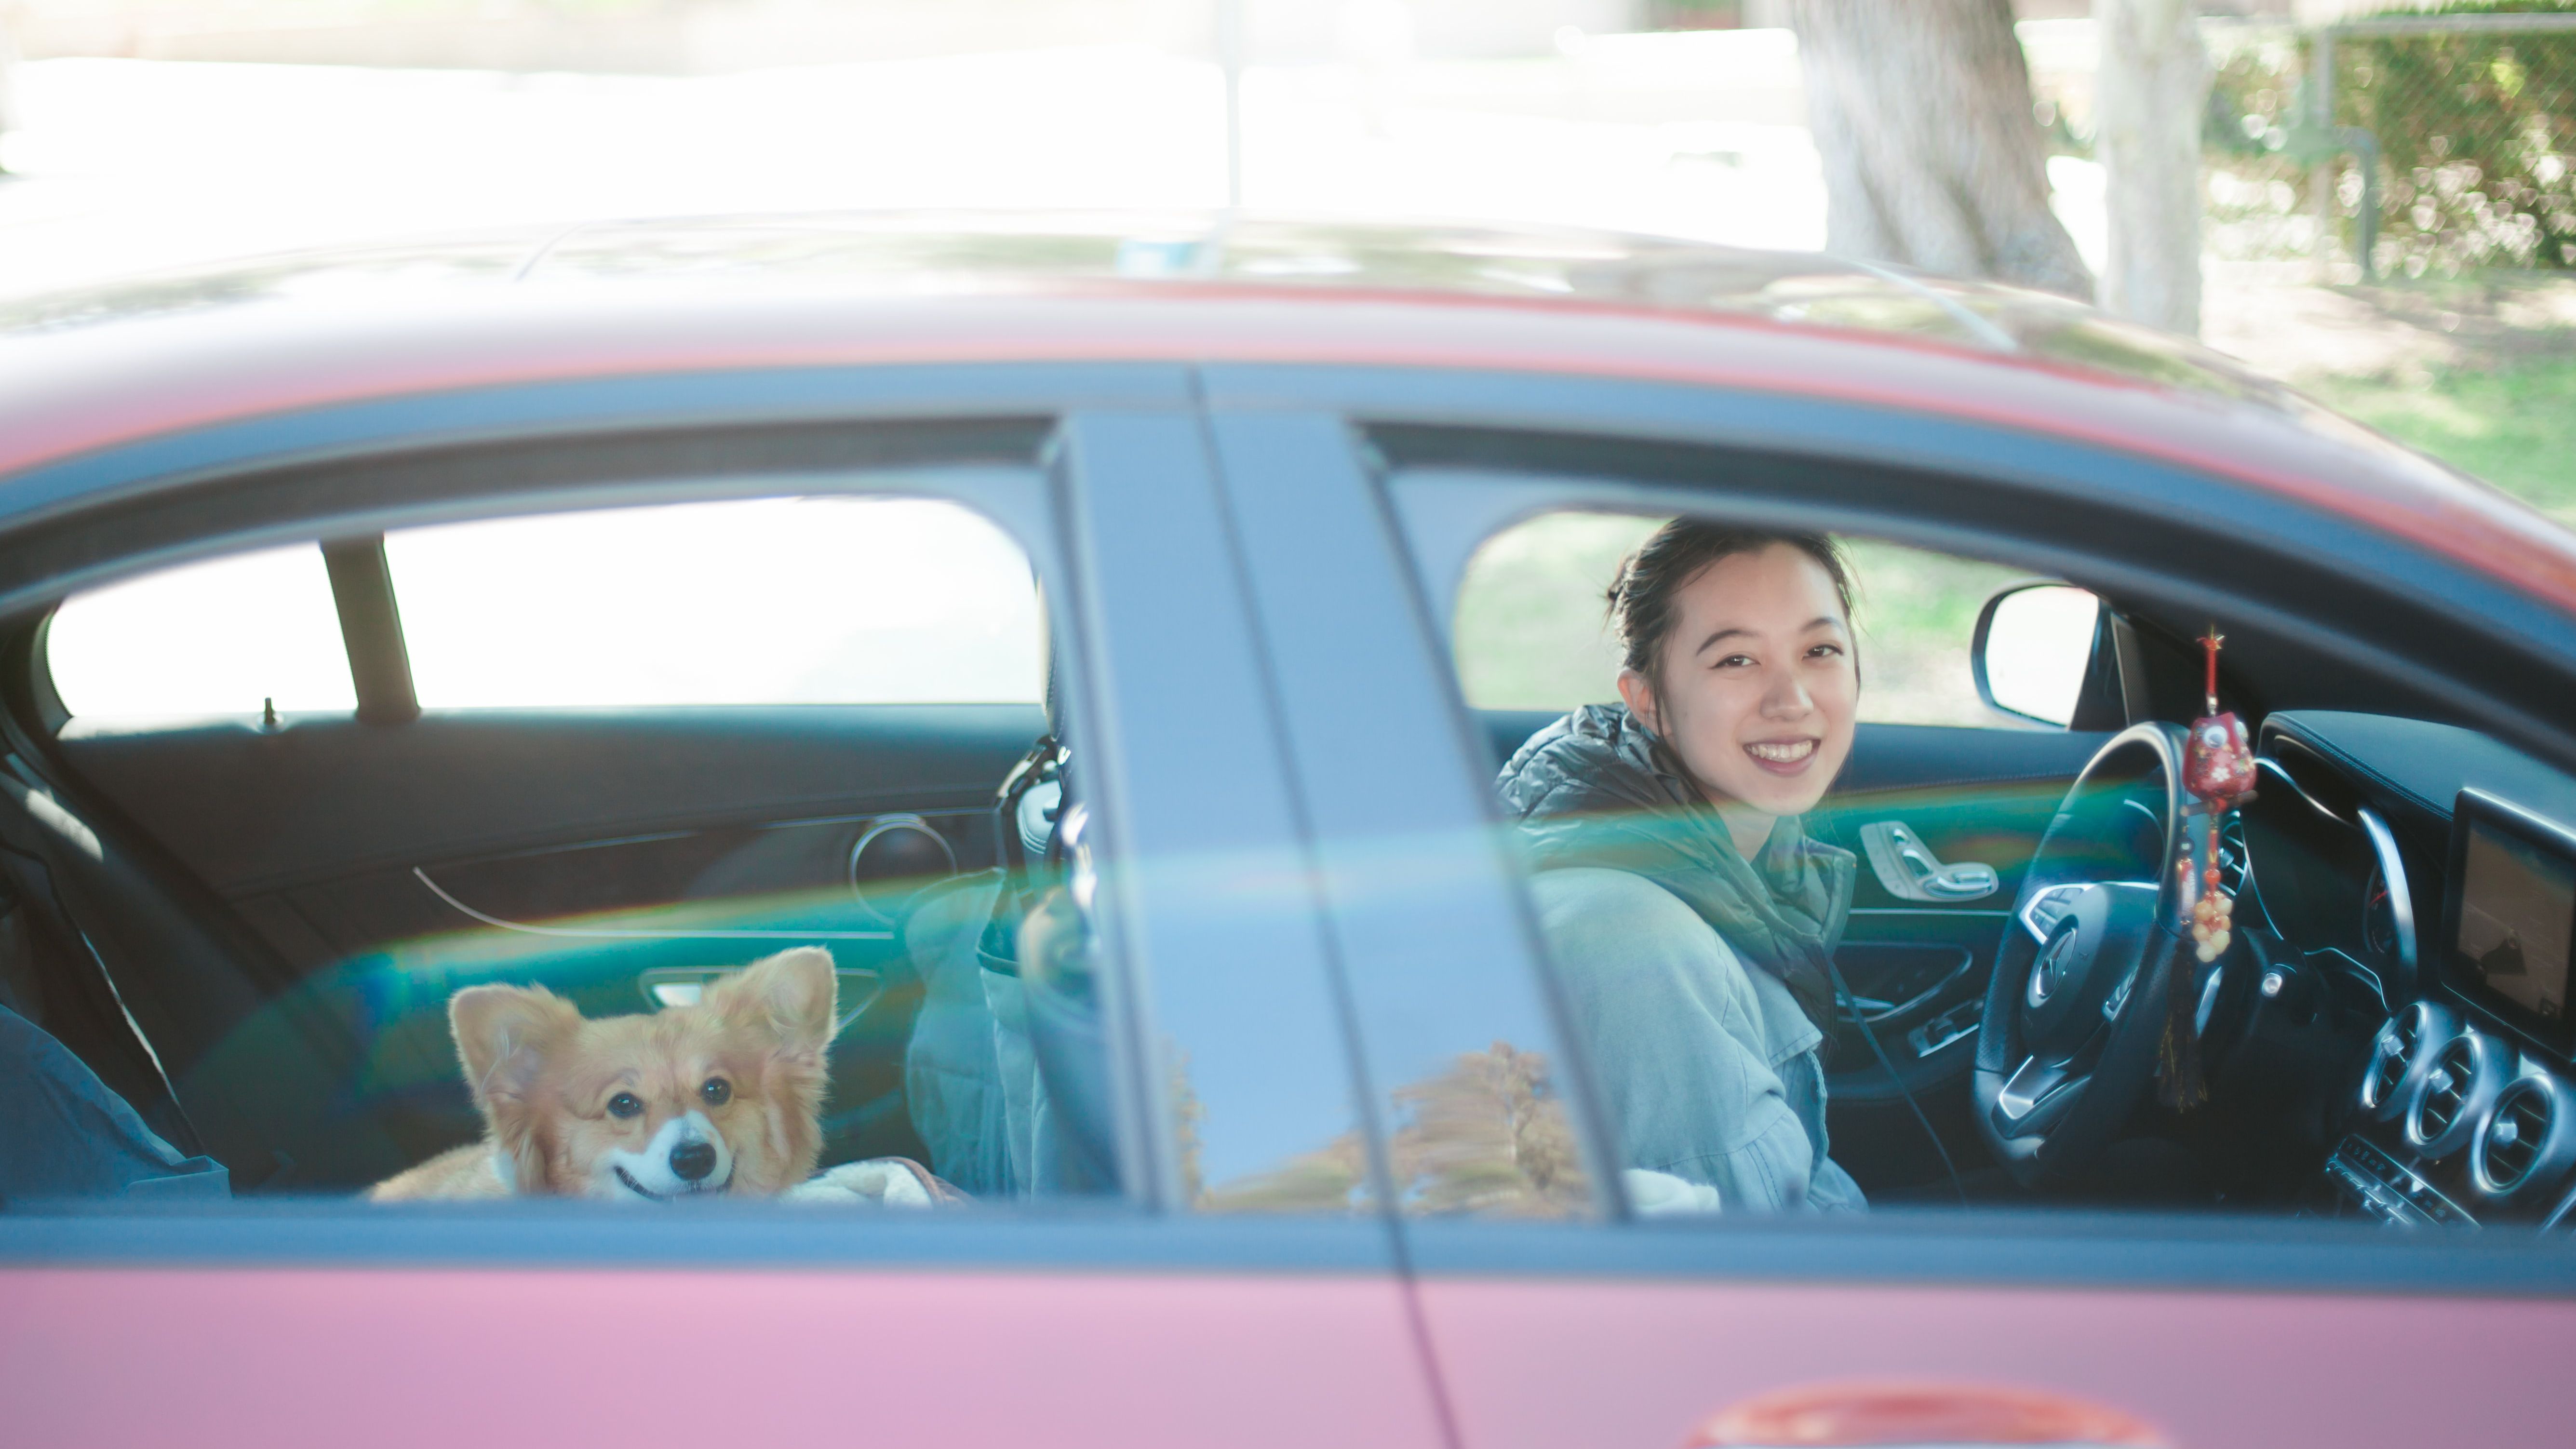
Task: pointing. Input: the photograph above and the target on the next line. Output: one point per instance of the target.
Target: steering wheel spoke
(2045, 907)
(2036, 1095)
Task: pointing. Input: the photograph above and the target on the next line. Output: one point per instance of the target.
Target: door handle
(1911, 872)
(1954, 1416)
(858, 988)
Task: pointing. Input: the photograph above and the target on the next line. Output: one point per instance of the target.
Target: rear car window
(406, 956)
(220, 638)
(764, 601)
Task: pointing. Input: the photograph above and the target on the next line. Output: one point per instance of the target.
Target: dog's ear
(793, 995)
(502, 1034)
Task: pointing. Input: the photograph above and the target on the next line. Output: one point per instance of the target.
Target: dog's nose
(693, 1161)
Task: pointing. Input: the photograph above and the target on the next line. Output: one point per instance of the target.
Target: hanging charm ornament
(2218, 772)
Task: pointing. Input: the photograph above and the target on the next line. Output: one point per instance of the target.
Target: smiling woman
(1737, 653)
(1691, 918)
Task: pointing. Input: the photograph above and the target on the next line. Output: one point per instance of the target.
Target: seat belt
(60, 923)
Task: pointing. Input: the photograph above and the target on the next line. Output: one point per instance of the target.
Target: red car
(603, 609)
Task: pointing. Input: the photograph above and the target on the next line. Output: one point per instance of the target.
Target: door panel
(593, 851)
(1556, 1364)
(1969, 796)
(249, 810)
(400, 1357)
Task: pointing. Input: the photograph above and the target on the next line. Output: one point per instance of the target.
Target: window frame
(1027, 468)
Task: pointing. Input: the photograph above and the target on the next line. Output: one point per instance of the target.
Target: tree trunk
(1922, 113)
(2147, 103)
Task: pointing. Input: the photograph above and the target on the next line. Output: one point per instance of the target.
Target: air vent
(2389, 1058)
(2400, 1060)
(2512, 1140)
(2467, 1073)
(2454, 1071)
(2526, 1144)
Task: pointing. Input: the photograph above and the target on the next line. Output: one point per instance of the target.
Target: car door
(1565, 1320)
(1181, 1308)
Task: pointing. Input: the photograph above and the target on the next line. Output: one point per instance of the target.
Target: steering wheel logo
(2049, 972)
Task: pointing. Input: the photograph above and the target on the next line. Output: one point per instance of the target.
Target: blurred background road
(141, 134)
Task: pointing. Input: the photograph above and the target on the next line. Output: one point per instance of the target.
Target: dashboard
(2421, 880)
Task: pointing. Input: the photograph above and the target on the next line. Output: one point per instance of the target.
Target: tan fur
(542, 1076)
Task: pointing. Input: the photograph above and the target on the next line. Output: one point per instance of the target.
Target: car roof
(965, 253)
(91, 367)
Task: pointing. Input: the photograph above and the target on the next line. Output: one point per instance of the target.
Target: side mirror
(2034, 643)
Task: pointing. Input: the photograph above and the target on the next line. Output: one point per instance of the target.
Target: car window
(1531, 629)
(221, 638)
(1732, 1007)
(1769, 901)
(857, 903)
(767, 601)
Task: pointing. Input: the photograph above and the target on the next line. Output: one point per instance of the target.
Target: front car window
(2050, 935)
(1742, 998)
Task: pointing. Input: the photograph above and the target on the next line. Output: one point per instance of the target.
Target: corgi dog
(724, 1096)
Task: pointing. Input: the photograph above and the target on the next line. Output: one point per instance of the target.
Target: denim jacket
(1696, 977)
(1710, 1070)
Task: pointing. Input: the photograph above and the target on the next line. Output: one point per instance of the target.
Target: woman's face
(1758, 685)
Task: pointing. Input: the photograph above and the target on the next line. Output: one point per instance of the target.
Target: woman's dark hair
(1641, 597)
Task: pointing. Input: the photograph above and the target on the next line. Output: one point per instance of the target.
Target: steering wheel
(2077, 1002)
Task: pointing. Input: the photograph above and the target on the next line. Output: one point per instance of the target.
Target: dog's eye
(625, 1104)
(717, 1091)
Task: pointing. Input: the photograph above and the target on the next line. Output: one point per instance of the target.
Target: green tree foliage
(2478, 132)
(2476, 129)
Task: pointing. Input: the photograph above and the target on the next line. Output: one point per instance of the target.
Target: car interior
(2385, 1040)
(247, 916)
(249, 921)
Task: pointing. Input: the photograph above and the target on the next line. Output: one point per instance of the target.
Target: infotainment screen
(2513, 913)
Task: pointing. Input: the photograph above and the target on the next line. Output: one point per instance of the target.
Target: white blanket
(892, 1182)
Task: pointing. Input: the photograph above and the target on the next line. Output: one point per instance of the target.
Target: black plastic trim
(43, 556)
(534, 1234)
(362, 588)
(2054, 1247)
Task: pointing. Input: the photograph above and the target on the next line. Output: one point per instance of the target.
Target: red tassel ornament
(2218, 770)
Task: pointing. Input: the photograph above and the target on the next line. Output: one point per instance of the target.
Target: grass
(1531, 635)
(2513, 424)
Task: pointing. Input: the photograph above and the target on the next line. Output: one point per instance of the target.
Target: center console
(2466, 1113)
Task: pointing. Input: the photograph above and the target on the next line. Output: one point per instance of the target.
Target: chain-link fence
(2397, 145)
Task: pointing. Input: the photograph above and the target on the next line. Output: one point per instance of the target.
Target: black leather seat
(205, 1033)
